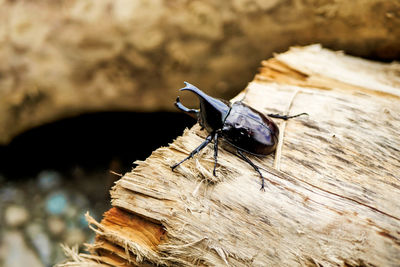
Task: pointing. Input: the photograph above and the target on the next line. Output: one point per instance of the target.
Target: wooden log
(332, 191)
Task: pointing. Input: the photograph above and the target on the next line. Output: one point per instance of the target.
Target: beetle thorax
(211, 118)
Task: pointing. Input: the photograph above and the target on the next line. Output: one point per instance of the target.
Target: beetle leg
(215, 151)
(197, 150)
(243, 156)
(285, 117)
(191, 112)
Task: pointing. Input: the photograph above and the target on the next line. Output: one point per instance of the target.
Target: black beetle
(243, 127)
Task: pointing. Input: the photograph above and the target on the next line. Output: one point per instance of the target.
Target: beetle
(246, 129)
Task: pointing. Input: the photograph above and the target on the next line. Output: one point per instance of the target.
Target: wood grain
(332, 200)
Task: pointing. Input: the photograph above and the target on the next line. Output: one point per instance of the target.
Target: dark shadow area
(91, 141)
(51, 176)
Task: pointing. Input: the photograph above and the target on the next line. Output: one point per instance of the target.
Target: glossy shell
(240, 125)
(250, 130)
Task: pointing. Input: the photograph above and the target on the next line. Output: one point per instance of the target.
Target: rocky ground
(63, 58)
(39, 213)
(52, 175)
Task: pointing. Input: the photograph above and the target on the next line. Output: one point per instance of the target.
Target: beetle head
(213, 111)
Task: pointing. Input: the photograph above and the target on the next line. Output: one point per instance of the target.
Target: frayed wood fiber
(332, 190)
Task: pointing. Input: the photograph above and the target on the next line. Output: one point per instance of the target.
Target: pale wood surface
(332, 190)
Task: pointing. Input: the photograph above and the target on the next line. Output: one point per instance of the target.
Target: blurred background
(87, 87)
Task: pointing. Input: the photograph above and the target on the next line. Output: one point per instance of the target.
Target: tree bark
(332, 187)
(64, 58)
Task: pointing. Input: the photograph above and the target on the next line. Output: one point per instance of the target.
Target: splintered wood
(332, 190)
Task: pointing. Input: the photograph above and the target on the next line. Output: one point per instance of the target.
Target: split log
(333, 186)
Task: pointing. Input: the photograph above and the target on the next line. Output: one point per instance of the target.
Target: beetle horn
(192, 112)
(208, 103)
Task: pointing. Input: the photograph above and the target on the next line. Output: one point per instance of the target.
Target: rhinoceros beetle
(246, 129)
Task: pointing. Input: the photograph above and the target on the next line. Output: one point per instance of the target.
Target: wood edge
(277, 71)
